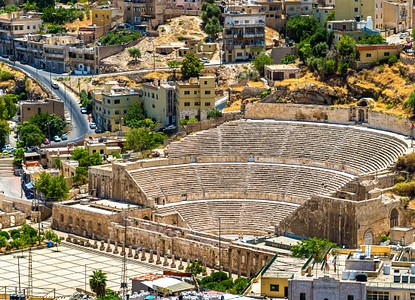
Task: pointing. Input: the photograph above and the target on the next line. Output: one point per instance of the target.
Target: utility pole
(30, 275)
(124, 286)
(220, 254)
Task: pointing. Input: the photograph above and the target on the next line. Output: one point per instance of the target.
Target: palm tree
(98, 282)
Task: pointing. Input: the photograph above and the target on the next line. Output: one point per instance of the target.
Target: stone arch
(394, 218)
(368, 237)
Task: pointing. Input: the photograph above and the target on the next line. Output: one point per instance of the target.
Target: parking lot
(66, 270)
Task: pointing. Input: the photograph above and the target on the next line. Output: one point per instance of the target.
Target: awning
(29, 185)
(168, 285)
(180, 287)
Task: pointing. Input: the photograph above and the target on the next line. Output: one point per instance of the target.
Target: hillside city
(202, 149)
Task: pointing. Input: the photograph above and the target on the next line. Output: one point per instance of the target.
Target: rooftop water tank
(345, 274)
(413, 269)
(387, 269)
(369, 22)
(352, 275)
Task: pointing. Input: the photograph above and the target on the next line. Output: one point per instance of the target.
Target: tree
(196, 268)
(84, 159)
(288, 59)
(98, 282)
(209, 11)
(44, 3)
(299, 28)
(312, 247)
(81, 175)
(3, 242)
(86, 99)
(141, 139)
(410, 103)
(213, 27)
(50, 124)
(346, 47)
(261, 61)
(191, 66)
(30, 134)
(135, 116)
(304, 50)
(134, 52)
(4, 132)
(52, 187)
(372, 39)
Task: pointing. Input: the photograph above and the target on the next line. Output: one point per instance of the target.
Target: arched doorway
(394, 218)
(368, 238)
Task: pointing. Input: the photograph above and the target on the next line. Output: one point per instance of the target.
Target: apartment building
(243, 35)
(160, 102)
(104, 16)
(351, 28)
(320, 13)
(397, 15)
(28, 109)
(274, 13)
(292, 8)
(194, 98)
(359, 10)
(14, 25)
(111, 104)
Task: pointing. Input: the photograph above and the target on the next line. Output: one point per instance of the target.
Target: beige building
(370, 54)
(274, 13)
(195, 97)
(30, 108)
(111, 104)
(360, 10)
(281, 72)
(159, 102)
(104, 145)
(397, 15)
(104, 16)
(292, 8)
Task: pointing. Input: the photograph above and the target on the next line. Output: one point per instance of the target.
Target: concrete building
(292, 8)
(274, 13)
(351, 28)
(14, 25)
(370, 54)
(104, 16)
(104, 145)
(359, 10)
(281, 72)
(195, 97)
(28, 109)
(244, 35)
(397, 15)
(111, 104)
(160, 102)
(320, 13)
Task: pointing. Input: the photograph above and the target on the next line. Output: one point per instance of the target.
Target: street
(79, 121)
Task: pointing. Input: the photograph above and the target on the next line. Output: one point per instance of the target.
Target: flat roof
(282, 67)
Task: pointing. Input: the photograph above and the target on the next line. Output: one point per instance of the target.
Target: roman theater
(275, 169)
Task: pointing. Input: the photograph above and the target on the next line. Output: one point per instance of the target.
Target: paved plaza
(64, 271)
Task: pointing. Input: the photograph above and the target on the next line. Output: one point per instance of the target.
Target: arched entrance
(394, 218)
(368, 238)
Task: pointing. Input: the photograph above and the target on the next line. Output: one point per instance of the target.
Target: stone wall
(169, 240)
(341, 221)
(329, 114)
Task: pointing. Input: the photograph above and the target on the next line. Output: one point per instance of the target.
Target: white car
(57, 138)
(92, 125)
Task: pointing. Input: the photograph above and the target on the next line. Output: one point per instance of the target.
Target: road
(79, 121)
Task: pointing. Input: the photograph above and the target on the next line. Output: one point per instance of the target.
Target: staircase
(6, 167)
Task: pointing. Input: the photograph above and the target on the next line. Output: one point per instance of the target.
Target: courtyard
(64, 270)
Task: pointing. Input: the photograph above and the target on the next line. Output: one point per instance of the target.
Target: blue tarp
(29, 185)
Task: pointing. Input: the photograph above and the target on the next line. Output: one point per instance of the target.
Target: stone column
(102, 247)
(130, 251)
(108, 248)
(137, 254)
(143, 255)
(116, 249)
(158, 261)
(165, 263)
(230, 262)
(173, 262)
(151, 259)
(248, 264)
(122, 249)
(239, 263)
(181, 267)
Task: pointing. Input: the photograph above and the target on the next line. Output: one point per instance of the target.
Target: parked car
(57, 138)
(24, 62)
(92, 125)
(4, 55)
(98, 130)
(64, 137)
(402, 35)
(83, 110)
(46, 142)
(55, 86)
(205, 60)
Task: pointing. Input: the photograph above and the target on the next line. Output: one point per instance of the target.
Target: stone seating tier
(362, 149)
(236, 216)
(214, 180)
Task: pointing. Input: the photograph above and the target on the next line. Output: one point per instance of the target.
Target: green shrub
(180, 38)
(384, 238)
(389, 106)
(119, 37)
(5, 76)
(381, 69)
(392, 60)
(5, 234)
(214, 113)
(265, 93)
(405, 189)
(400, 178)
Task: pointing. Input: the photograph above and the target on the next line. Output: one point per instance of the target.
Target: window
(197, 103)
(368, 55)
(303, 296)
(377, 295)
(93, 151)
(205, 82)
(207, 103)
(395, 297)
(154, 106)
(356, 9)
(350, 297)
(125, 112)
(274, 287)
(195, 92)
(187, 92)
(109, 101)
(187, 104)
(117, 101)
(386, 54)
(207, 92)
(101, 151)
(117, 112)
